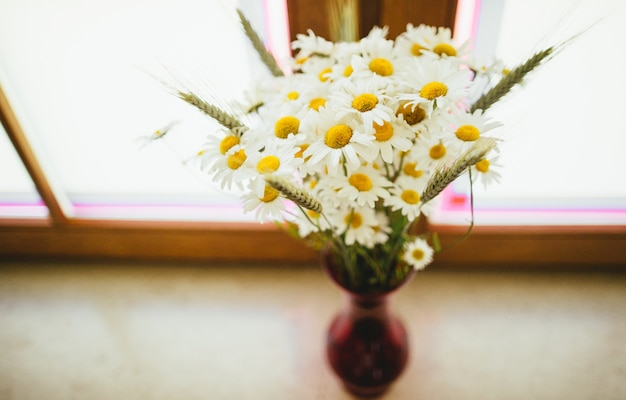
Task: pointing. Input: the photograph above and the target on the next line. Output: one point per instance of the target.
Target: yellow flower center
(301, 60)
(348, 71)
(410, 196)
(411, 115)
(381, 66)
(417, 49)
(300, 152)
(338, 136)
(437, 151)
(268, 164)
(361, 182)
(285, 126)
(432, 90)
(269, 194)
(418, 254)
(467, 133)
(355, 220)
(237, 159)
(444, 48)
(316, 103)
(483, 165)
(313, 214)
(228, 142)
(325, 74)
(293, 96)
(364, 102)
(410, 169)
(383, 132)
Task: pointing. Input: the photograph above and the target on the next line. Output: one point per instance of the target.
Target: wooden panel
(536, 247)
(397, 13)
(312, 14)
(370, 12)
(55, 200)
(150, 240)
(307, 14)
(589, 248)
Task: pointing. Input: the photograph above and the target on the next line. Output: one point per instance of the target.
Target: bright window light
(562, 159)
(83, 79)
(80, 76)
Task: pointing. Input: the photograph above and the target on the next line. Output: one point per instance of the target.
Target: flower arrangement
(352, 145)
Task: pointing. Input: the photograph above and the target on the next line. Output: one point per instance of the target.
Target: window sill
(587, 247)
(99, 331)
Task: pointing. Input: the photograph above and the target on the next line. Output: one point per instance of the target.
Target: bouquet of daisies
(351, 146)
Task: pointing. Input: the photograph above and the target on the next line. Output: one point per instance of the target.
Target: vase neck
(368, 306)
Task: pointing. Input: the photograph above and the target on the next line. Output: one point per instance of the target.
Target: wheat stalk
(293, 193)
(225, 119)
(446, 175)
(343, 20)
(511, 79)
(266, 57)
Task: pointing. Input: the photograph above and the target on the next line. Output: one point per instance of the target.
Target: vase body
(367, 345)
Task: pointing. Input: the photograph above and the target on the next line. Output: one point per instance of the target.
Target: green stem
(471, 225)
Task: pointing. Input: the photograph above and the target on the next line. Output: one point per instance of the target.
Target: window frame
(64, 237)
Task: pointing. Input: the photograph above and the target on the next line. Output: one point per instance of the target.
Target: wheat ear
(446, 175)
(511, 79)
(266, 57)
(225, 119)
(294, 193)
(343, 20)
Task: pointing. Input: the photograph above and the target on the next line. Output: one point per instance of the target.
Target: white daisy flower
(431, 152)
(216, 147)
(444, 46)
(414, 113)
(338, 141)
(415, 40)
(377, 33)
(342, 69)
(468, 128)
(431, 41)
(390, 137)
(277, 157)
(418, 254)
(310, 222)
(319, 68)
(486, 170)
(287, 123)
(411, 169)
(365, 185)
(405, 197)
(292, 90)
(269, 207)
(437, 81)
(382, 230)
(230, 169)
(312, 44)
(319, 186)
(378, 58)
(359, 225)
(363, 99)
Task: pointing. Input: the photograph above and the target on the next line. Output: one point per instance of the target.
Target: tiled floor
(255, 332)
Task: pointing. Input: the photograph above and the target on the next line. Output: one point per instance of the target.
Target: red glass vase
(367, 345)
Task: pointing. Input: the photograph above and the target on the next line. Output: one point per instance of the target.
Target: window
(82, 78)
(561, 159)
(147, 203)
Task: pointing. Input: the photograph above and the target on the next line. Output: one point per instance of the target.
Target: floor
(103, 331)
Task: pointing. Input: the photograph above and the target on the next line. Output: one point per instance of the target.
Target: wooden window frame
(63, 237)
